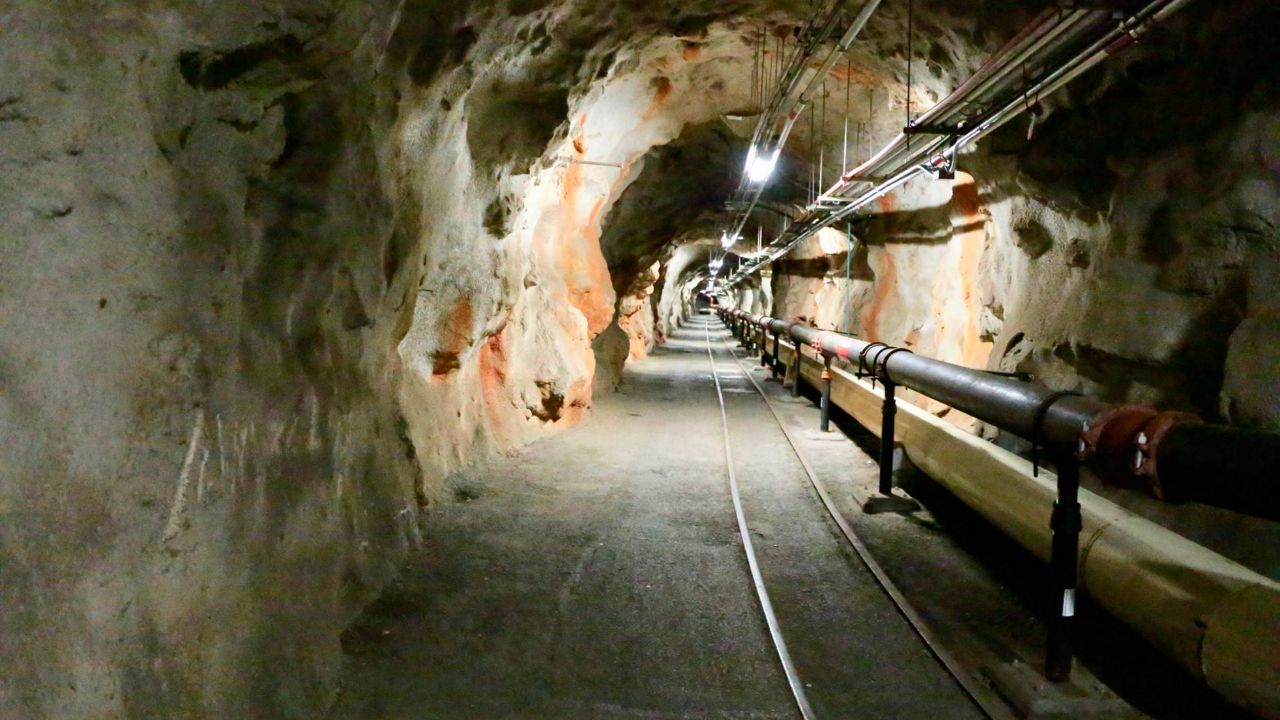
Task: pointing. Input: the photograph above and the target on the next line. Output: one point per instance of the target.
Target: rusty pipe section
(1176, 456)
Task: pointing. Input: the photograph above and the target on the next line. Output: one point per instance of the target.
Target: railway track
(983, 698)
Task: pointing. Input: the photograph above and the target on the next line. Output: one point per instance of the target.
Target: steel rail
(981, 696)
(757, 578)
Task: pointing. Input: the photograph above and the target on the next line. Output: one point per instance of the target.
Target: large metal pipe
(1211, 615)
(1166, 451)
(1214, 617)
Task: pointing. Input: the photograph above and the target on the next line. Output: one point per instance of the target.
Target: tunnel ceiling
(681, 191)
(276, 273)
(535, 80)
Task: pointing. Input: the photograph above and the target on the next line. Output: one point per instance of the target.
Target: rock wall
(205, 472)
(679, 282)
(270, 273)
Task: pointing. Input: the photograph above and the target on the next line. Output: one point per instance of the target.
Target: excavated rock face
(204, 279)
(273, 270)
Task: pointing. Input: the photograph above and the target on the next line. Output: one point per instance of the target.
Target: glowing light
(727, 241)
(760, 167)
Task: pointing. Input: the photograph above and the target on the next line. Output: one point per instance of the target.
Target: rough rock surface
(271, 271)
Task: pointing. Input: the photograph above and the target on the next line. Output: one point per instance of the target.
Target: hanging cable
(812, 138)
(910, 26)
(755, 61)
(760, 81)
(822, 141)
(782, 48)
(848, 87)
(871, 121)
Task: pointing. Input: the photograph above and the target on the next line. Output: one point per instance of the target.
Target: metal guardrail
(1170, 453)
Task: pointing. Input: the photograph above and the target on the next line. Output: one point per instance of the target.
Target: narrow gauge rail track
(982, 697)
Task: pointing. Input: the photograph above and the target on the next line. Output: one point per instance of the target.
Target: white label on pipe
(1068, 603)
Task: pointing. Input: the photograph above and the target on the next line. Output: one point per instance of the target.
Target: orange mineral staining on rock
(455, 338)
(578, 253)
(886, 282)
(912, 339)
(661, 93)
(857, 75)
(969, 219)
(493, 377)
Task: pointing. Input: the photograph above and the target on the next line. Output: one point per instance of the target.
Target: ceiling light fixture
(760, 167)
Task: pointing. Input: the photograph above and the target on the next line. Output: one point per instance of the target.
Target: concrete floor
(599, 574)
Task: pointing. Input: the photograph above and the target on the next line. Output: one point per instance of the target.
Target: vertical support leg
(764, 348)
(1064, 556)
(777, 357)
(885, 500)
(888, 410)
(795, 372)
(824, 421)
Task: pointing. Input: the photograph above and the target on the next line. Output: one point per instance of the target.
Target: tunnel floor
(599, 574)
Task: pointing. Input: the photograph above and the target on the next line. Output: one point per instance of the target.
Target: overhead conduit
(785, 106)
(1052, 51)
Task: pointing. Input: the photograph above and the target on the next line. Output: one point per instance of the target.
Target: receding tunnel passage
(391, 359)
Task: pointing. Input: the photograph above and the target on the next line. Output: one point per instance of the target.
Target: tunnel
(390, 359)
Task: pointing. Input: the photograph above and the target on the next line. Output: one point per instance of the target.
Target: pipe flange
(1107, 440)
(1146, 447)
